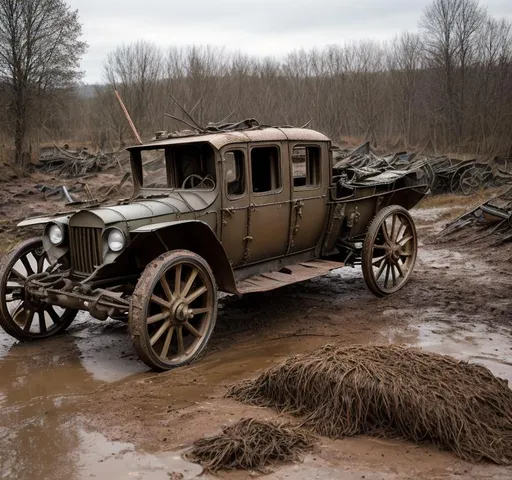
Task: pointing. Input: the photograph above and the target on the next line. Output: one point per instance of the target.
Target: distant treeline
(448, 88)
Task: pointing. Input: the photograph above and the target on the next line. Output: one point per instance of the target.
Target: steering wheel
(202, 180)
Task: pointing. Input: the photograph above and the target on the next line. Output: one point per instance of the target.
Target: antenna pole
(127, 115)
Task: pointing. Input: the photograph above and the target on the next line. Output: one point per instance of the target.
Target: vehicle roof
(219, 140)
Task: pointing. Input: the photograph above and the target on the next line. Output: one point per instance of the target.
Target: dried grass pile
(392, 391)
(250, 444)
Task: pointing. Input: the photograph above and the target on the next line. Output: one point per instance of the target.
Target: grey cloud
(261, 27)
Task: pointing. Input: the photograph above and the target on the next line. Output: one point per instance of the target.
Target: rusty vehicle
(237, 211)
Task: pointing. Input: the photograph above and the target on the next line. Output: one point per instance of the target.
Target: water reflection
(38, 437)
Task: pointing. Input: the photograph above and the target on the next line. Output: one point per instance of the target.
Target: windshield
(189, 166)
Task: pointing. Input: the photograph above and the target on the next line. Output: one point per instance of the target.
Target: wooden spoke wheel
(389, 251)
(21, 317)
(173, 310)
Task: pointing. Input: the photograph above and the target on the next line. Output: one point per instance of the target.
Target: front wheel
(19, 316)
(173, 310)
(389, 251)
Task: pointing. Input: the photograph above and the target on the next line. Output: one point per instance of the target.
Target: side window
(306, 166)
(234, 173)
(265, 169)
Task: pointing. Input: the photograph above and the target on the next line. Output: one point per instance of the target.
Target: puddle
(82, 455)
(467, 340)
(103, 459)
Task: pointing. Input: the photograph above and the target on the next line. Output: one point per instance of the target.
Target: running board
(287, 275)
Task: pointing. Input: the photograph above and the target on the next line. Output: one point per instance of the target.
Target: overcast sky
(258, 27)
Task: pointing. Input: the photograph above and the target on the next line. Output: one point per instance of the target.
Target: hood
(150, 209)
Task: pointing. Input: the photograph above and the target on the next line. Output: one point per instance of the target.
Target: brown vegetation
(250, 444)
(392, 391)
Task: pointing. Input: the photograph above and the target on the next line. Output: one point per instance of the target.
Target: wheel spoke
(42, 322)
(167, 343)
(405, 240)
(26, 264)
(385, 233)
(192, 330)
(18, 275)
(179, 335)
(393, 274)
(381, 269)
(376, 262)
(401, 231)
(157, 318)
(17, 311)
(28, 323)
(199, 311)
(190, 281)
(53, 315)
(379, 247)
(196, 294)
(160, 301)
(160, 332)
(399, 268)
(386, 278)
(40, 263)
(177, 280)
(167, 289)
(393, 222)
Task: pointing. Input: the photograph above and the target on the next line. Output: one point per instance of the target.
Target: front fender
(150, 241)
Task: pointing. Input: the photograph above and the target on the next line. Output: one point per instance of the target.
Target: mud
(82, 406)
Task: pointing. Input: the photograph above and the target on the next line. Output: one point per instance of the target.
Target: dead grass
(250, 444)
(391, 391)
(450, 199)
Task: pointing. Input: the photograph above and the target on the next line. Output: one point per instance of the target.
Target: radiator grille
(85, 247)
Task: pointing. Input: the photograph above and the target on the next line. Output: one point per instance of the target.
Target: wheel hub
(181, 311)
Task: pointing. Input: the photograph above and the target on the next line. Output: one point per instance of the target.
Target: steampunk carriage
(241, 210)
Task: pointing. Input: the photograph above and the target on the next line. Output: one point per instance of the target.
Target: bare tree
(135, 71)
(451, 28)
(40, 50)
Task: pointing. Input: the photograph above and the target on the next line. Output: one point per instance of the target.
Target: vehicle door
(268, 217)
(235, 202)
(309, 180)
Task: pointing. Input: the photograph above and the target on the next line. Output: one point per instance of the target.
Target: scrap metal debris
(76, 163)
(491, 222)
(444, 174)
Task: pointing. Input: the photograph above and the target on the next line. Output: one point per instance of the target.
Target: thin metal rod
(187, 114)
(130, 121)
(182, 121)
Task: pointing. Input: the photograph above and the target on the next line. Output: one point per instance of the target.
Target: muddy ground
(82, 406)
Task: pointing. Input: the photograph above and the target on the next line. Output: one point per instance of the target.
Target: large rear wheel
(389, 251)
(173, 310)
(19, 316)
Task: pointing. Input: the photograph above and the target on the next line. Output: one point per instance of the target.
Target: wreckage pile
(444, 174)
(250, 444)
(489, 223)
(76, 163)
(391, 391)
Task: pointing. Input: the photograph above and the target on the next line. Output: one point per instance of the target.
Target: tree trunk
(20, 127)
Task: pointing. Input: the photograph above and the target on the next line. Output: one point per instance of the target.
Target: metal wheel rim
(33, 322)
(393, 252)
(469, 184)
(179, 312)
